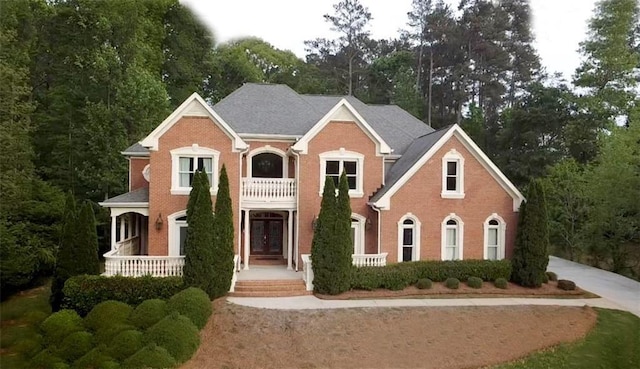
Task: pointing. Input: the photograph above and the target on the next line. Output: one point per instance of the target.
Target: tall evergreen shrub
(343, 241)
(87, 241)
(531, 253)
(322, 246)
(222, 238)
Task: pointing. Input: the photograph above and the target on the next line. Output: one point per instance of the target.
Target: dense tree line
(84, 79)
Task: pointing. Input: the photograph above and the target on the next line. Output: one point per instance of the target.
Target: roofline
(384, 202)
(135, 154)
(124, 204)
(303, 143)
(151, 141)
(268, 137)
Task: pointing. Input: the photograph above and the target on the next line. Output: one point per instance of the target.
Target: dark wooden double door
(266, 236)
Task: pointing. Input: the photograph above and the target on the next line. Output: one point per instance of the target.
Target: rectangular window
(333, 171)
(189, 165)
(335, 167)
(452, 176)
(407, 244)
(183, 237)
(451, 244)
(492, 244)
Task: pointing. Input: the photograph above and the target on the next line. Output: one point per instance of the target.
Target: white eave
(302, 145)
(193, 106)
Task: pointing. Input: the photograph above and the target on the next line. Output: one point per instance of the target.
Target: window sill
(352, 194)
(452, 195)
(187, 191)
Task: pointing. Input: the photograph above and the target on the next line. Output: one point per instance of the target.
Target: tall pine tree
(343, 241)
(222, 238)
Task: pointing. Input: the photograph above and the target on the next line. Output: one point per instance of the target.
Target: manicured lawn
(20, 316)
(612, 344)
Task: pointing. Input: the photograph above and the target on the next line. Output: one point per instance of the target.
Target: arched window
(267, 165)
(452, 237)
(408, 238)
(177, 232)
(494, 237)
(357, 232)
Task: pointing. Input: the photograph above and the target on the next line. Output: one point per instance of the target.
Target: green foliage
(65, 267)
(177, 334)
(452, 283)
(150, 356)
(199, 246)
(192, 303)
(424, 283)
(401, 275)
(531, 254)
(59, 325)
(501, 283)
(474, 282)
(87, 241)
(342, 246)
(76, 345)
(148, 313)
(223, 232)
(106, 314)
(566, 285)
(84, 292)
(125, 344)
(95, 358)
(107, 332)
(552, 276)
(46, 360)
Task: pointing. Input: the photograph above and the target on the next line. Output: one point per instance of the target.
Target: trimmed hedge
(75, 346)
(148, 313)
(501, 283)
(150, 356)
(566, 285)
(552, 276)
(46, 360)
(106, 314)
(452, 283)
(400, 275)
(424, 283)
(59, 325)
(193, 303)
(106, 334)
(177, 334)
(474, 282)
(84, 292)
(96, 358)
(125, 344)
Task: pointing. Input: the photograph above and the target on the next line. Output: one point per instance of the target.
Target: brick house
(416, 193)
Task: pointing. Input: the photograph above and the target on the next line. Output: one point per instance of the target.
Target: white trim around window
(494, 237)
(193, 152)
(271, 150)
(358, 223)
(452, 238)
(343, 156)
(174, 231)
(452, 175)
(409, 237)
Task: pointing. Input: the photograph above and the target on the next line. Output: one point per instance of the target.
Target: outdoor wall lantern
(159, 222)
(314, 223)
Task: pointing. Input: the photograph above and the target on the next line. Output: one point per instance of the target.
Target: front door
(266, 236)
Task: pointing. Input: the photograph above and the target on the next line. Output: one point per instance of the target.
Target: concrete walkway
(617, 293)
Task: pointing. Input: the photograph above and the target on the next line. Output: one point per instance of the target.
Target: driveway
(620, 290)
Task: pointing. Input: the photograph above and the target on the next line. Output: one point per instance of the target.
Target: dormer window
(186, 161)
(452, 175)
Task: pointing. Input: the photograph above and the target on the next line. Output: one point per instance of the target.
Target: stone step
(269, 293)
(270, 288)
(270, 282)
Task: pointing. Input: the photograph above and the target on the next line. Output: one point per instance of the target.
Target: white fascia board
(151, 141)
(124, 204)
(302, 145)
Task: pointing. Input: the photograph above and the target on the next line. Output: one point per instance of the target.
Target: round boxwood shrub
(45, 360)
(501, 283)
(107, 313)
(552, 276)
(75, 346)
(28, 347)
(424, 283)
(148, 313)
(95, 358)
(193, 303)
(109, 365)
(106, 334)
(474, 282)
(177, 334)
(150, 356)
(125, 344)
(545, 278)
(566, 285)
(59, 325)
(452, 283)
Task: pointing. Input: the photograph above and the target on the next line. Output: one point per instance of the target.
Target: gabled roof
(421, 150)
(192, 106)
(139, 197)
(136, 150)
(257, 109)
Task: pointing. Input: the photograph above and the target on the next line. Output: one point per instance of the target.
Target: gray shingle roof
(136, 149)
(140, 195)
(414, 152)
(277, 109)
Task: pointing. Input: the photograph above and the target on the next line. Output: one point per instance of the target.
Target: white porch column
(122, 235)
(114, 220)
(246, 240)
(290, 240)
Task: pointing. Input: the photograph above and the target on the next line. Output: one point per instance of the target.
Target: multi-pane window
(493, 242)
(335, 167)
(181, 225)
(452, 176)
(452, 241)
(408, 240)
(189, 165)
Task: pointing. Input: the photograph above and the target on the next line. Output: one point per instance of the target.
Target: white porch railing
(130, 246)
(377, 260)
(269, 189)
(307, 271)
(236, 269)
(141, 265)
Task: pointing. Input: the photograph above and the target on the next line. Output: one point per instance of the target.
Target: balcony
(269, 193)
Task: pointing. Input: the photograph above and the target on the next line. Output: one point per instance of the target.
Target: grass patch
(20, 317)
(613, 343)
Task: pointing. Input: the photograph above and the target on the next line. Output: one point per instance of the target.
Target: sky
(559, 25)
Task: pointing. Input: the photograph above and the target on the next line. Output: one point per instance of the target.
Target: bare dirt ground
(468, 337)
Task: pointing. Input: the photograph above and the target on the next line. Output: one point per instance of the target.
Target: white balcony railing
(269, 189)
(377, 260)
(141, 265)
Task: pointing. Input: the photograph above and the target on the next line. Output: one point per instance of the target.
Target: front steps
(270, 288)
